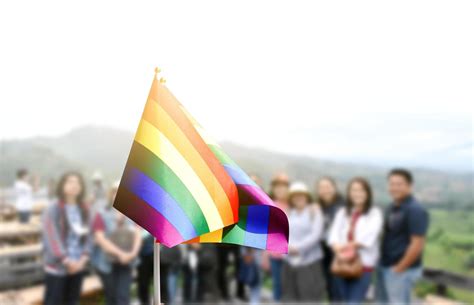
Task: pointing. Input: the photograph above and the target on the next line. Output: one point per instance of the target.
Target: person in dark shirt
(406, 225)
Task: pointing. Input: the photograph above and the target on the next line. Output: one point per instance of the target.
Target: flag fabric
(180, 186)
(261, 223)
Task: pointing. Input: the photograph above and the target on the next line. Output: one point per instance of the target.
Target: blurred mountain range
(104, 149)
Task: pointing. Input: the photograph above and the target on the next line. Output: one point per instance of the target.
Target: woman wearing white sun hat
(302, 274)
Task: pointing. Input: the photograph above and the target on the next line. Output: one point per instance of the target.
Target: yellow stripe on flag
(156, 142)
(159, 118)
(204, 134)
(211, 237)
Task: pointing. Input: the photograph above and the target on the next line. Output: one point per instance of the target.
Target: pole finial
(157, 70)
(162, 80)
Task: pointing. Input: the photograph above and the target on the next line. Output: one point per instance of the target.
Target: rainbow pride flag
(181, 187)
(261, 224)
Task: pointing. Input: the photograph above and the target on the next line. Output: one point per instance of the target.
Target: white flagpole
(156, 274)
(156, 254)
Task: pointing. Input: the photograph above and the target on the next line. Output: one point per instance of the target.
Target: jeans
(276, 265)
(62, 289)
(255, 294)
(395, 288)
(353, 291)
(106, 281)
(172, 284)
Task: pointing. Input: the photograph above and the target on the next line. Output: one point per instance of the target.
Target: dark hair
(271, 194)
(80, 198)
(367, 188)
(337, 195)
(22, 172)
(62, 182)
(406, 174)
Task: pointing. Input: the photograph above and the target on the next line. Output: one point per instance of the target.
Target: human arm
(335, 240)
(73, 267)
(370, 232)
(100, 238)
(418, 225)
(53, 243)
(412, 253)
(137, 242)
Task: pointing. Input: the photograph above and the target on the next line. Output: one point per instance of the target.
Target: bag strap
(354, 218)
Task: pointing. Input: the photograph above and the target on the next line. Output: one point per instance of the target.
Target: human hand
(74, 267)
(292, 251)
(397, 269)
(126, 257)
(347, 252)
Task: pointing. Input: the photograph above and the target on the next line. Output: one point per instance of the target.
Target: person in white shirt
(302, 273)
(356, 229)
(24, 196)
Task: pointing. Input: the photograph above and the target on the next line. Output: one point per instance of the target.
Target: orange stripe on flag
(159, 118)
(170, 104)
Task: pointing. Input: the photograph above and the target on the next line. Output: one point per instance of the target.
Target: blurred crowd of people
(339, 245)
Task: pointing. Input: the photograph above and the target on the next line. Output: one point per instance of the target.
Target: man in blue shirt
(406, 225)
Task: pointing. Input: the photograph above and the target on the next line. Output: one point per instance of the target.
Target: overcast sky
(361, 80)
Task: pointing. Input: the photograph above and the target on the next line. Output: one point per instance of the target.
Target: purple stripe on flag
(257, 226)
(277, 239)
(147, 217)
(250, 195)
(152, 193)
(238, 175)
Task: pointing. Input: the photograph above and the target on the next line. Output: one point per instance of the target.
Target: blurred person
(66, 241)
(170, 265)
(406, 224)
(145, 270)
(355, 235)
(98, 191)
(117, 242)
(279, 191)
(226, 254)
(330, 200)
(257, 179)
(302, 273)
(199, 273)
(250, 273)
(24, 195)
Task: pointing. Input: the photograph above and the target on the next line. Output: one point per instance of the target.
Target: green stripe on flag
(236, 234)
(152, 166)
(221, 155)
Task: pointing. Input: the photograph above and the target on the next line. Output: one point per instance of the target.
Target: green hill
(92, 148)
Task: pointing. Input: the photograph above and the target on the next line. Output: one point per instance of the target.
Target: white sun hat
(299, 187)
